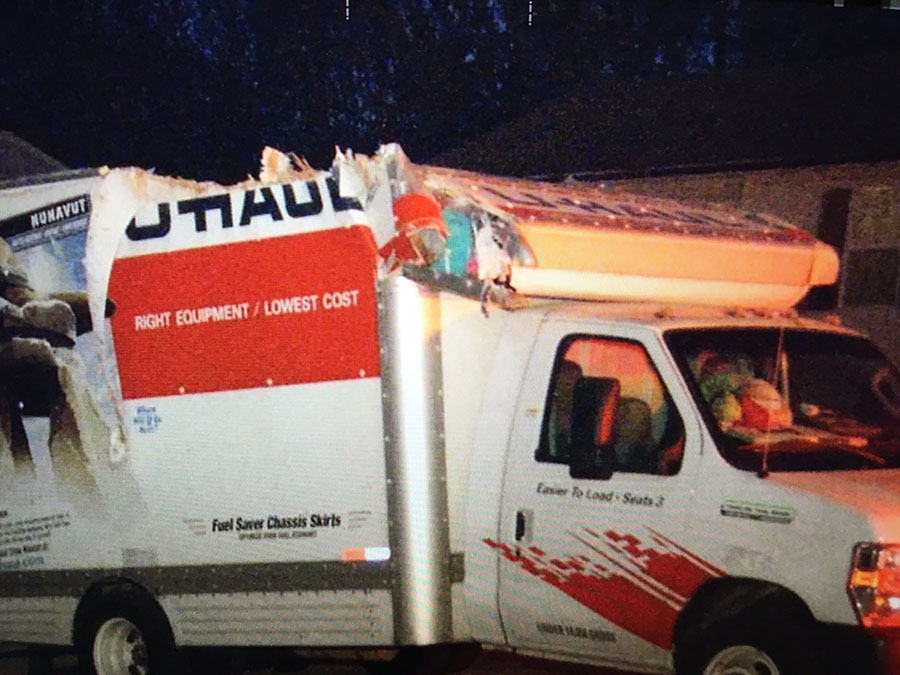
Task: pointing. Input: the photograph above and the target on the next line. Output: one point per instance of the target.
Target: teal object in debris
(459, 243)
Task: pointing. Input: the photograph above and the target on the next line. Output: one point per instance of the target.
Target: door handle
(524, 526)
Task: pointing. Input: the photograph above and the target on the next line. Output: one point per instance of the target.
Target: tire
(753, 645)
(742, 660)
(125, 632)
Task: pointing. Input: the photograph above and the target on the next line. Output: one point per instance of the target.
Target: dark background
(197, 88)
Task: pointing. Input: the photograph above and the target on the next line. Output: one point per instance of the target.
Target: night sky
(197, 88)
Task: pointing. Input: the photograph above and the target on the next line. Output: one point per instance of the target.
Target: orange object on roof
(592, 243)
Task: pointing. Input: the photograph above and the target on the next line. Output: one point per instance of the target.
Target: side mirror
(594, 411)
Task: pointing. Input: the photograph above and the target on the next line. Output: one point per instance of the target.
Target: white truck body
(278, 442)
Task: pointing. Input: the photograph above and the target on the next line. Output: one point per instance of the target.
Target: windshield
(793, 400)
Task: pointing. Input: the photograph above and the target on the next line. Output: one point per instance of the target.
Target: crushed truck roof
(593, 243)
(498, 238)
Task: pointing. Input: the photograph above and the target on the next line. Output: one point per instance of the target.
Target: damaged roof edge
(500, 236)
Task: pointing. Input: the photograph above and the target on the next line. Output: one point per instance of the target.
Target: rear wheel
(124, 632)
(120, 647)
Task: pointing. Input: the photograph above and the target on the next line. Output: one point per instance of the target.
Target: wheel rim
(119, 649)
(741, 660)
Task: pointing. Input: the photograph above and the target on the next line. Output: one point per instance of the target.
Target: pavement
(16, 660)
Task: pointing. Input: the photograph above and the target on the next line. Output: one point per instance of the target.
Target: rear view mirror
(594, 411)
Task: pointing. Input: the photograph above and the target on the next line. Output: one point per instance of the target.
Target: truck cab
(689, 488)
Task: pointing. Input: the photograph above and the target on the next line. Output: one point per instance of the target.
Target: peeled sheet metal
(506, 235)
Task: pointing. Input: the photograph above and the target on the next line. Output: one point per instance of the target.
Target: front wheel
(742, 660)
(756, 643)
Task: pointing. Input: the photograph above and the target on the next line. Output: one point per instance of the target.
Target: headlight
(874, 585)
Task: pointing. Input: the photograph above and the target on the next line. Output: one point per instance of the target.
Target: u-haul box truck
(389, 406)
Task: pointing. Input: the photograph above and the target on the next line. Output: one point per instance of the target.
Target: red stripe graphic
(638, 588)
(268, 312)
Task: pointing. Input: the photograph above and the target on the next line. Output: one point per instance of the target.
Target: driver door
(593, 566)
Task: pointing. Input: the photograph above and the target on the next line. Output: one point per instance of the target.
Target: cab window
(646, 432)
